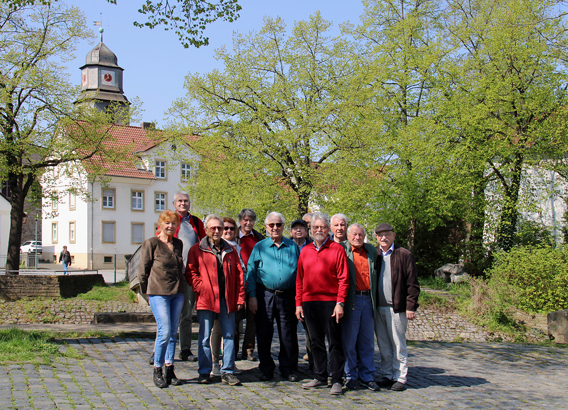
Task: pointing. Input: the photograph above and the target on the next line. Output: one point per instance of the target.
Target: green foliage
(533, 233)
(433, 301)
(120, 292)
(432, 282)
(533, 279)
(19, 346)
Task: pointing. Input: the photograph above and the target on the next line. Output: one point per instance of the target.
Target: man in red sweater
(322, 283)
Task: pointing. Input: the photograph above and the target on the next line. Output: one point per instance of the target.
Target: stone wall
(15, 287)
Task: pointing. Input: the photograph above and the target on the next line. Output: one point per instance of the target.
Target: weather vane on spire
(100, 23)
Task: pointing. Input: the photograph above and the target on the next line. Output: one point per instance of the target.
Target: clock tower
(101, 83)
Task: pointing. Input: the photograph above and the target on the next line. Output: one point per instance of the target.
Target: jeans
(65, 265)
(359, 340)
(206, 320)
(166, 309)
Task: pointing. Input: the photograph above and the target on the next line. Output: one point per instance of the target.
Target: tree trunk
(477, 223)
(18, 191)
(411, 237)
(509, 213)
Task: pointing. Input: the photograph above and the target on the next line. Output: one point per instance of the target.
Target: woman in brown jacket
(160, 276)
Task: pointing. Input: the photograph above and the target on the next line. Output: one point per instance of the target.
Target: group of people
(327, 276)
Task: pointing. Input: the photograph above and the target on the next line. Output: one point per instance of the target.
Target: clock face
(108, 78)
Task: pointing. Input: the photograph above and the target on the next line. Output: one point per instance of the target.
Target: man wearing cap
(299, 233)
(271, 282)
(397, 297)
(357, 333)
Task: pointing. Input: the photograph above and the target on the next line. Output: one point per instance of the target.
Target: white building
(5, 208)
(125, 206)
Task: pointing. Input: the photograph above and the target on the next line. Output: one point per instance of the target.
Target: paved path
(115, 374)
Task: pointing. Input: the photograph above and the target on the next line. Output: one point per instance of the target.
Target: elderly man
(299, 233)
(339, 227)
(247, 239)
(397, 295)
(307, 218)
(358, 337)
(190, 231)
(321, 288)
(214, 269)
(271, 285)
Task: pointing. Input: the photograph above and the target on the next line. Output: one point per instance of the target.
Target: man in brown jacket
(397, 298)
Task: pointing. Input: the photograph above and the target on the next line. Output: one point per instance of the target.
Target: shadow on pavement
(422, 377)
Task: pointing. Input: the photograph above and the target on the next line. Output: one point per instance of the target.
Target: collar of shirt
(322, 245)
(282, 243)
(185, 218)
(359, 250)
(387, 253)
(213, 247)
(241, 234)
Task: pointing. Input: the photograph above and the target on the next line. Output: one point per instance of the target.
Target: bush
(533, 279)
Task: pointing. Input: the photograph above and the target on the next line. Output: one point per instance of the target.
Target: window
(72, 201)
(160, 201)
(54, 232)
(137, 233)
(54, 200)
(108, 198)
(137, 200)
(107, 259)
(72, 232)
(160, 169)
(108, 229)
(185, 171)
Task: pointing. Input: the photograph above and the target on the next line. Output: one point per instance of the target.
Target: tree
(40, 125)
(187, 18)
(277, 121)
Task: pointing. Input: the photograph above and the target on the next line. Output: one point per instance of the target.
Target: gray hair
(179, 193)
(213, 216)
(278, 214)
(308, 214)
(340, 216)
(356, 225)
(246, 212)
(322, 217)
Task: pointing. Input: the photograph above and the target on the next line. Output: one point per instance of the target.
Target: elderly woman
(160, 275)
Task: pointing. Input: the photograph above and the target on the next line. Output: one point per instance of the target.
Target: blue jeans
(206, 320)
(166, 310)
(358, 336)
(65, 271)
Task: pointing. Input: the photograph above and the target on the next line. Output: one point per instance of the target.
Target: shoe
(204, 379)
(230, 379)
(350, 384)
(398, 386)
(306, 357)
(251, 358)
(292, 377)
(313, 384)
(336, 389)
(266, 377)
(159, 378)
(372, 385)
(151, 359)
(171, 377)
(187, 356)
(385, 382)
(216, 371)
(236, 370)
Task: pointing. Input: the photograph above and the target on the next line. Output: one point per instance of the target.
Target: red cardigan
(201, 274)
(322, 275)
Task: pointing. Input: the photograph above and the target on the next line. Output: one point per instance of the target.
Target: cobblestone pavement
(115, 374)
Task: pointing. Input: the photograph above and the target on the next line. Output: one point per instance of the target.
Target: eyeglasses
(319, 228)
(215, 228)
(385, 234)
(272, 225)
(229, 228)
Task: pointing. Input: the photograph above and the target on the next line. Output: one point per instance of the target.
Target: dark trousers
(250, 334)
(321, 325)
(281, 307)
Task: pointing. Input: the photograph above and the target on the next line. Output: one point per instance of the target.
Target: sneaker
(313, 384)
(230, 379)
(398, 386)
(187, 356)
(159, 378)
(350, 384)
(385, 382)
(372, 385)
(204, 379)
(336, 389)
(292, 377)
(236, 370)
(216, 371)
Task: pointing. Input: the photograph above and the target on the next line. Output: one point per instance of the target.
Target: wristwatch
(341, 304)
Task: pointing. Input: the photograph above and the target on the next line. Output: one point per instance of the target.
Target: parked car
(31, 247)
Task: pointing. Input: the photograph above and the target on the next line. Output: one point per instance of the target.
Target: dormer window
(160, 169)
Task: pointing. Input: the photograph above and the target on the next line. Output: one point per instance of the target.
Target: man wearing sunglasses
(271, 281)
(398, 291)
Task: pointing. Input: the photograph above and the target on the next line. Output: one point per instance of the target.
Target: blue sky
(155, 63)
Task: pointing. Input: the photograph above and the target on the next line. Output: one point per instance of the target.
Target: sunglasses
(229, 228)
(215, 228)
(272, 225)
